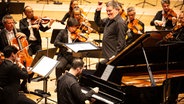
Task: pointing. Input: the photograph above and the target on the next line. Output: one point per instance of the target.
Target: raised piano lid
(155, 50)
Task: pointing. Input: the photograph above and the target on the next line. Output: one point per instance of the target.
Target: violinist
(73, 4)
(178, 30)
(135, 26)
(122, 12)
(31, 29)
(163, 20)
(65, 55)
(84, 24)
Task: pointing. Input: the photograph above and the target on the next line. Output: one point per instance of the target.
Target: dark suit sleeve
(97, 18)
(42, 28)
(142, 25)
(67, 15)
(59, 39)
(158, 16)
(23, 25)
(20, 73)
(76, 89)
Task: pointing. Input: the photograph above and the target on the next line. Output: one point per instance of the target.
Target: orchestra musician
(163, 20)
(30, 28)
(10, 75)
(7, 34)
(6, 38)
(73, 4)
(115, 30)
(69, 90)
(122, 12)
(84, 24)
(65, 55)
(135, 26)
(178, 30)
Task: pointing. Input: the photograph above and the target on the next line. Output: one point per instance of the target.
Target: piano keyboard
(98, 97)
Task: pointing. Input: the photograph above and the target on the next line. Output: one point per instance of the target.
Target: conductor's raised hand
(99, 7)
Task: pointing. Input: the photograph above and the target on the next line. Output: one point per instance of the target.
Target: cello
(23, 45)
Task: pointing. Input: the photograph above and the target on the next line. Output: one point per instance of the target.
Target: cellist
(7, 35)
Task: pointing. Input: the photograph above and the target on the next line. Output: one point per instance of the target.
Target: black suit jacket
(23, 24)
(61, 38)
(3, 40)
(10, 75)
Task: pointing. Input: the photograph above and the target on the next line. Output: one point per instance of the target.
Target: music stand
(84, 48)
(49, 53)
(54, 35)
(180, 5)
(144, 2)
(43, 74)
(97, 28)
(16, 7)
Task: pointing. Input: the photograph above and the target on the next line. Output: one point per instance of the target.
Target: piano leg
(173, 86)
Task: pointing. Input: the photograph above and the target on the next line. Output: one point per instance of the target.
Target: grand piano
(148, 71)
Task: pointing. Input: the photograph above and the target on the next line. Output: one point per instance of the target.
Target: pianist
(68, 88)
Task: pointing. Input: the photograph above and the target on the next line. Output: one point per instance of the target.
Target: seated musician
(7, 35)
(10, 75)
(65, 55)
(31, 26)
(84, 24)
(73, 4)
(135, 26)
(163, 19)
(69, 90)
(178, 30)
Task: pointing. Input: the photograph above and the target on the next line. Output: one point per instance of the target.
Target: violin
(38, 20)
(170, 35)
(77, 36)
(177, 27)
(168, 15)
(135, 26)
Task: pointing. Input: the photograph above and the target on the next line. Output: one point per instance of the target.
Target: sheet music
(107, 72)
(44, 66)
(76, 47)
